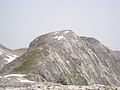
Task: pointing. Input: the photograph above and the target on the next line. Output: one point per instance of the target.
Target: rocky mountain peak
(63, 57)
(53, 38)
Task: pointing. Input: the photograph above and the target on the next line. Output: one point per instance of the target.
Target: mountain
(7, 55)
(65, 58)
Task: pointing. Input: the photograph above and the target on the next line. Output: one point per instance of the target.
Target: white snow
(15, 56)
(1, 51)
(56, 32)
(59, 37)
(11, 58)
(56, 36)
(74, 35)
(20, 77)
(26, 81)
(66, 32)
(68, 62)
(15, 75)
(0, 76)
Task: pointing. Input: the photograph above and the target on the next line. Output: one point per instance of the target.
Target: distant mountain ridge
(8, 55)
(63, 57)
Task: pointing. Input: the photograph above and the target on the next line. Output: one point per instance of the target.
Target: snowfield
(11, 58)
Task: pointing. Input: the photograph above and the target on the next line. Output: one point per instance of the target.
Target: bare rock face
(63, 57)
(117, 55)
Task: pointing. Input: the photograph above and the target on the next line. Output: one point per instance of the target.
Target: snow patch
(56, 36)
(56, 32)
(21, 79)
(0, 76)
(1, 51)
(15, 75)
(74, 35)
(26, 81)
(66, 32)
(59, 37)
(11, 58)
(68, 62)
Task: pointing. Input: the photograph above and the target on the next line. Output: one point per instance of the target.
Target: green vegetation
(28, 61)
(31, 58)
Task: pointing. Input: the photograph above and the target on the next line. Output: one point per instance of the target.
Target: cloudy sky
(23, 20)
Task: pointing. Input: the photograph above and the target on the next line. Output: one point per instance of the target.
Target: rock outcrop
(63, 57)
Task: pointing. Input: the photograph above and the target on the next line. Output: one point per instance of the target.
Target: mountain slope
(63, 57)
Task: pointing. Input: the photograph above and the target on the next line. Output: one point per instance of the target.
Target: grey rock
(116, 54)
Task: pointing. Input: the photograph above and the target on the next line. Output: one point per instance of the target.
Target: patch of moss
(29, 60)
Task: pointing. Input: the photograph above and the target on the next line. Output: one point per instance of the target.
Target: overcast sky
(23, 20)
